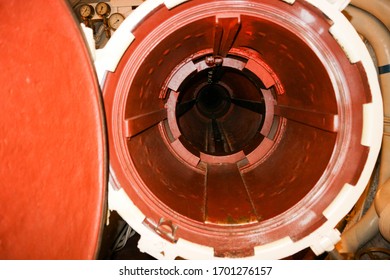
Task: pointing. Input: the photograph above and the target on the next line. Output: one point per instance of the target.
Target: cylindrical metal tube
(238, 128)
(379, 37)
(379, 8)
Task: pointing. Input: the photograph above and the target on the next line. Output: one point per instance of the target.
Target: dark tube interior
(212, 103)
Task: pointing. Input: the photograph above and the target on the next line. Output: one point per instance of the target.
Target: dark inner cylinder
(220, 111)
(213, 101)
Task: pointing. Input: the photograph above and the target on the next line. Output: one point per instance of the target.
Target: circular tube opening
(211, 106)
(213, 101)
(239, 125)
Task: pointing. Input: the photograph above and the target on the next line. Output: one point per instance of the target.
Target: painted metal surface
(53, 164)
(273, 195)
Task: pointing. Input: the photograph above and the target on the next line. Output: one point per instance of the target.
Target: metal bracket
(164, 228)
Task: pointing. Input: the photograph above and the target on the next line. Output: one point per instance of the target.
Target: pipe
(379, 37)
(376, 217)
(360, 233)
(379, 8)
(382, 207)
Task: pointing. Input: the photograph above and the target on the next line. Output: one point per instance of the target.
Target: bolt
(210, 61)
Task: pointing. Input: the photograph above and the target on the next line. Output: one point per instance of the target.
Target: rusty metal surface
(52, 144)
(300, 157)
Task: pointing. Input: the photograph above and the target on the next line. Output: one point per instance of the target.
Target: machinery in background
(234, 129)
(100, 18)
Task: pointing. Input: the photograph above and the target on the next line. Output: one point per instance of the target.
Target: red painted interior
(288, 162)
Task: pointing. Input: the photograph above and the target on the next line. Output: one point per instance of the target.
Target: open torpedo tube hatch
(238, 129)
